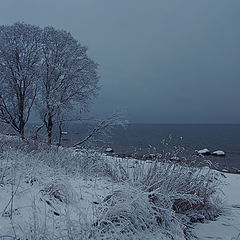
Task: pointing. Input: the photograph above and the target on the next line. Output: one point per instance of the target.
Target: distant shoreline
(152, 159)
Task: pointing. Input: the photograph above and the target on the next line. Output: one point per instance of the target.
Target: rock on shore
(204, 151)
(219, 153)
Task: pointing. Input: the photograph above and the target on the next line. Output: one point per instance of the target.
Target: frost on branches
(68, 76)
(47, 68)
(20, 55)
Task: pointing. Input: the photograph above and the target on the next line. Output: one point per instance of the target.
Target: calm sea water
(143, 138)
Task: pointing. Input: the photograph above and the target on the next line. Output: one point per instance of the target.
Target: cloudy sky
(161, 61)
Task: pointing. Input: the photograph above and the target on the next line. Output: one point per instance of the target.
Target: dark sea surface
(148, 138)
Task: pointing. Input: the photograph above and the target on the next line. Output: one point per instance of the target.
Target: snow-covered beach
(59, 193)
(226, 226)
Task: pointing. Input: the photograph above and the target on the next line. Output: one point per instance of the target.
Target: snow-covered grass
(59, 193)
(177, 195)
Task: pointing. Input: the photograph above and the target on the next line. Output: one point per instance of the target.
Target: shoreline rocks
(204, 151)
(219, 153)
(109, 150)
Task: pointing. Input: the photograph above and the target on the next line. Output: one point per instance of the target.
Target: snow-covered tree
(45, 63)
(19, 72)
(68, 76)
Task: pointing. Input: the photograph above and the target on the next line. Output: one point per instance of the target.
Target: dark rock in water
(121, 155)
(150, 156)
(219, 153)
(109, 150)
(204, 151)
(175, 158)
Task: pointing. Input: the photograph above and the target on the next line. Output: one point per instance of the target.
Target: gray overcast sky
(162, 61)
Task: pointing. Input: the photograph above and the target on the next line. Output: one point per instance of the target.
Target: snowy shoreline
(154, 157)
(226, 226)
(49, 187)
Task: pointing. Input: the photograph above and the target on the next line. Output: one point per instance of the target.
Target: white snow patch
(227, 226)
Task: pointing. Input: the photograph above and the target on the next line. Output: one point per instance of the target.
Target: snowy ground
(30, 193)
(227, 226)
(37, 199)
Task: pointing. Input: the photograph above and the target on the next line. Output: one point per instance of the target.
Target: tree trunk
(60, 134)
(21, 129)
(49, 129)
(21, 117)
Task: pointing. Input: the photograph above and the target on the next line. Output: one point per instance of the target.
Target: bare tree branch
(116, 119)
(68, 76)
(19, 71)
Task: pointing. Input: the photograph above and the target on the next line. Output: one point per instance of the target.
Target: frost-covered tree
(19, 72)
(68, 78)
